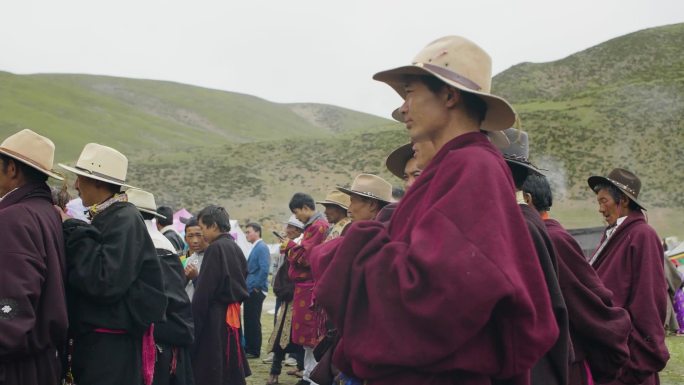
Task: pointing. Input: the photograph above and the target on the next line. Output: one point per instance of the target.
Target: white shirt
(609, 233)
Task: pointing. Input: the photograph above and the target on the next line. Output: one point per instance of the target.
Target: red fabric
(598, 330)
(631, 266)
(450, 294)
(305, 331)
(149, 355)
(298, 255)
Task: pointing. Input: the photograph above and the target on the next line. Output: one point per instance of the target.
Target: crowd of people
(466, 279)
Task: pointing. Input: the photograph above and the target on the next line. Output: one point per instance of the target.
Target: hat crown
(293, 221)
(372, 186)
(460, 56)
(518, 147)
(339, 198)
(29, 147)
(141, 199)
(625, 180)
(103, 161)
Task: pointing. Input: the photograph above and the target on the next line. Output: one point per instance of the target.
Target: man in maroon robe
(33, 315)
(449, 293)
(598, 330)
(629, 261)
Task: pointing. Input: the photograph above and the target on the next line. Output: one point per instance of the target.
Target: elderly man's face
(292, 232)
(424, 112)
(610, 209)
(334, 213)
(362, 209)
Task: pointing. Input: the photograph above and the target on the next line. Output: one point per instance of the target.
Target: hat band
(369, 195)
(95, 173)
(451, 75)
(623, 186)
(22, 157)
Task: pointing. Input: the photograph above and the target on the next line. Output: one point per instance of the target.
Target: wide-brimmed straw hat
(397, 159)
(518, 150)
(370, 186)
(624, 180)
(143, 200)
(461, 64)
(336, 198)
(102, 163)
(33, 150)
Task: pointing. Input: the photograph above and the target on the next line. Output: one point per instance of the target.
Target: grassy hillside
(155, 116)
(620, 103)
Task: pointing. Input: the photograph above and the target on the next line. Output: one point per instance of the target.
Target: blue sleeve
(264, 259)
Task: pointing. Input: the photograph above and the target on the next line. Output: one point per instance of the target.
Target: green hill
(157, 116)
(620, 103)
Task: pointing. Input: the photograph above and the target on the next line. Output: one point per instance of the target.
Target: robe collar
(28, 190)
(100, 207)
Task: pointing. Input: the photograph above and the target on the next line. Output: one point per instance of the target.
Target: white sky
(301, 50)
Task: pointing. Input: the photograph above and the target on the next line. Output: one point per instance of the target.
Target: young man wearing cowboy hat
(598, 330)
(336, 206)
(174, 336)
(114, 278)
(33, 312)
(629, 261)
(457, 240)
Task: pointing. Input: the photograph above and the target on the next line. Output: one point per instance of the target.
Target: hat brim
(92, 176)
(527, 165)
(327, 202)
(597, 179)
(27, 162)
(156, 214)
(362, 194)
(397, 159)
(500, 114)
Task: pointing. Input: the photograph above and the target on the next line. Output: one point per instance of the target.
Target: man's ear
(452, 95)
(528, 199)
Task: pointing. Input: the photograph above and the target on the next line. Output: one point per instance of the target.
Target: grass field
(672, 375)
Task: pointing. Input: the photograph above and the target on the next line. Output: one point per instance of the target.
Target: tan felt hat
(143, 200)
(337, 198)
(101, 163)
(459, 63)
(370, 186)
(31, 149)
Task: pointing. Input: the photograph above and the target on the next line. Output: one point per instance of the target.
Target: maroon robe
(450, 293)
(631, 266)
(598, 330)
(553, 367)
(33, 314)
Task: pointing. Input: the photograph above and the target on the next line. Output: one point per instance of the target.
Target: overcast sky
(301, 51)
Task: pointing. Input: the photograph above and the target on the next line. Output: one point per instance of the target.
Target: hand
(191, 271)
(62, 214)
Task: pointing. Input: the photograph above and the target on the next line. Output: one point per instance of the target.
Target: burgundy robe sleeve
(298, 255)
(599, 329)
(439, 303)
(648, 353)
(21, 279)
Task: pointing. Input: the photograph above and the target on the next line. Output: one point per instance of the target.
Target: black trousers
(107, 359)
(296, 351)
(252, 314)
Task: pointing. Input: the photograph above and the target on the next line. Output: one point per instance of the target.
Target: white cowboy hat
(102, 163)
(370, 186)
(33, 150)
(461, 64)
(143, 200)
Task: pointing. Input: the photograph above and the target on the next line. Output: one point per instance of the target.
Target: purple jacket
(33, 316)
